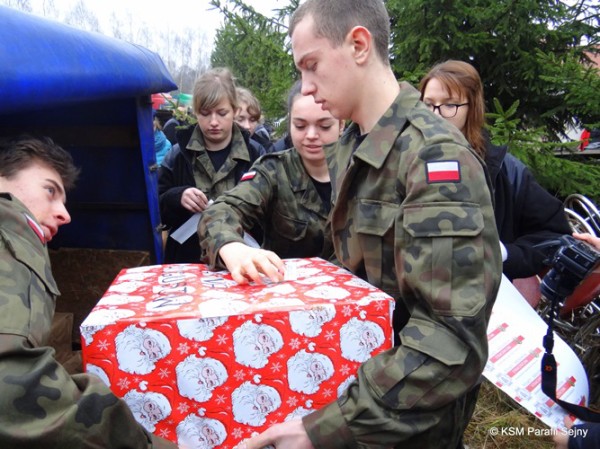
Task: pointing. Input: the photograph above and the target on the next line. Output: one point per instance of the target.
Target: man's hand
(287, 435)
(244, 262)
(589, 238)
(194, 200)
(561, 439)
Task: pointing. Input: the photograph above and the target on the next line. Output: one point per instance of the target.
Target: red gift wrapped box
(205, 362)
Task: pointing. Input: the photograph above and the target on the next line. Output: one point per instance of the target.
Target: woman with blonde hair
(208, 159)
(287, 193)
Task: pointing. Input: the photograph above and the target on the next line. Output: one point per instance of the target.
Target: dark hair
(335, 18)
(20, 152)
(461, 78)
(294, 92)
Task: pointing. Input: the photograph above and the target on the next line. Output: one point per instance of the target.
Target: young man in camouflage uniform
(412, 215)
(41, 405)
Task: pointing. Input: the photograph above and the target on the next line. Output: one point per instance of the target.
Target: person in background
(170, 129)
(208, 159)
(249, 117)
(288, 194)
(526, 214)
(161, 143)
(584, 435)
(412, 215)
(41, 405)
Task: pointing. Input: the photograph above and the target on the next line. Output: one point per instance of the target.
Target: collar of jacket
(239, 149)
(377, 145)
(22, 242)
(494, 158)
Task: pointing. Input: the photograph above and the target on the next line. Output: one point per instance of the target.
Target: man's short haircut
(245, 96)
(335, 18)
(18, 153)
(212, 87)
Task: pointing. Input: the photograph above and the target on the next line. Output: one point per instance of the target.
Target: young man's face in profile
(41, 190)
(327, 71)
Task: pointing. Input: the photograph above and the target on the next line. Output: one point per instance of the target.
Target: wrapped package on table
(205, 362)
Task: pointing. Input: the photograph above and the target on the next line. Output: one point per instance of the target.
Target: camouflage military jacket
(278, 195)
(41, 405)
(413, 215)
(191, 167)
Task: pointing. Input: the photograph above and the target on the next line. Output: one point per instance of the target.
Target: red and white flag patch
(248, 176)
(443, 171)
(36, 228)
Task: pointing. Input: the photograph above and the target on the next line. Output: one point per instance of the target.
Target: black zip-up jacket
(176, 174)
(526, 214)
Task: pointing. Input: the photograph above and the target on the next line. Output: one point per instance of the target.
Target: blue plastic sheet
(43, 62)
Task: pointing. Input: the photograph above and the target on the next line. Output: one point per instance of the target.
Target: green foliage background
(533, 57)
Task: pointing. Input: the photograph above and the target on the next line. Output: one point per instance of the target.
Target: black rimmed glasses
(448, 110)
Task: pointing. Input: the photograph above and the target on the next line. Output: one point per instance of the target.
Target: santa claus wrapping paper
(206, 362)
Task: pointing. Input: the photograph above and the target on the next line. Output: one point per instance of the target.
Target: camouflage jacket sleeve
(41, 405)
(277, 195)
(413, 215)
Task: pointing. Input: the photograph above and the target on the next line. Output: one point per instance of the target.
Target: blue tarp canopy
(90, 94)
(48, 63)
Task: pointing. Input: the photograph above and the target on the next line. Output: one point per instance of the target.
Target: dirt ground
(84, 275)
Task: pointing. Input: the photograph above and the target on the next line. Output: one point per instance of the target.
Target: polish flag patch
(36, 228)
(248, 176)
(443, 171)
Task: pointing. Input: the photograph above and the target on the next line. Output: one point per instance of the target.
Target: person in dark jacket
(249, 118)
(526, 214)
(288, 193)
(208, 159)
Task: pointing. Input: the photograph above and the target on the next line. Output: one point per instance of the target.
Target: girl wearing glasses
(526, 214)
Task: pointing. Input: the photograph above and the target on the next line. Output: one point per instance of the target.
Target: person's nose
(312, 132)
(62, 215)
(307, 87)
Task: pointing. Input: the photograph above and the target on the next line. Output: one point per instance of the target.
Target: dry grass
(497, 410)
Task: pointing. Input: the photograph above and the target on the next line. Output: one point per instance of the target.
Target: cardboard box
(205, 362)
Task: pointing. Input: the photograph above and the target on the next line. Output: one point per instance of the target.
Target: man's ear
(361, 40)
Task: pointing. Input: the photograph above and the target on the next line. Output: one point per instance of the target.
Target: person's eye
(51, 190)
(326, 127)
(300, 127)
(204, 113)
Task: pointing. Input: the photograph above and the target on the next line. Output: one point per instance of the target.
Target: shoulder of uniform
(433, 128)
(277, 155)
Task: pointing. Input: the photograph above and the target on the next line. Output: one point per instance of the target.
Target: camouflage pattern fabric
(431, 242)
(41, 405)
(191, 167)
(214, 183)
(279, 196)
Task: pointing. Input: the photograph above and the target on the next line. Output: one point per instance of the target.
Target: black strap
(549, 374)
